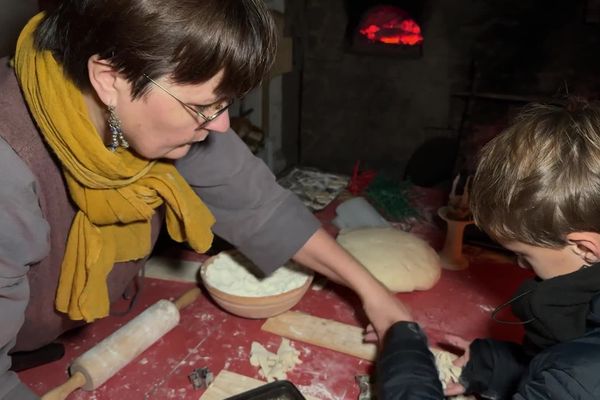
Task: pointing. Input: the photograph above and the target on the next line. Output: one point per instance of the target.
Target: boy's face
(546, 263)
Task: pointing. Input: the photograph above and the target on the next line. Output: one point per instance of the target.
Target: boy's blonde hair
(539, 180)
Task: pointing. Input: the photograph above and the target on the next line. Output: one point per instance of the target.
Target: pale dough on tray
(448, 372)
(274, 366)
(400, 260)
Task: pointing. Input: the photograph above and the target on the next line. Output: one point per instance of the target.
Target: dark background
(419, 114)
(480, 61)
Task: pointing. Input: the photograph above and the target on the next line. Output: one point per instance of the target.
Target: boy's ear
(103, 79)
(586, 245)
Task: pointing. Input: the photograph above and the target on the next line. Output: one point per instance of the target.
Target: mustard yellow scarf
(116, 193)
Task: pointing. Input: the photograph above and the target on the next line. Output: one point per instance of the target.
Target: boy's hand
(452, 388)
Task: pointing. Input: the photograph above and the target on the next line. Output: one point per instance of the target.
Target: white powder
(231, 273)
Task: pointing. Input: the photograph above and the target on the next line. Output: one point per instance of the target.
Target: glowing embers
(390, 25)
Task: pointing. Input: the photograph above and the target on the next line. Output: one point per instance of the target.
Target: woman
(117, 119)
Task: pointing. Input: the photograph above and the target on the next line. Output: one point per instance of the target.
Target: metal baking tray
(278, 390)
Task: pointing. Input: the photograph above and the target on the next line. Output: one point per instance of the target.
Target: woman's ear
(103, 79)
(586, 245)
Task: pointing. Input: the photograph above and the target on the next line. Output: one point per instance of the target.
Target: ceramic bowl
(252, 306)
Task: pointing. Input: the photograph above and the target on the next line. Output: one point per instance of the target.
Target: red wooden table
(460, 303)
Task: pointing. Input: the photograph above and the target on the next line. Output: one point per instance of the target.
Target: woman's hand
(453, 388)
(383, 313)
(323, 254)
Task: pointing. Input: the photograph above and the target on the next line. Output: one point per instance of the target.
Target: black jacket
(406, 368)
(496, 370)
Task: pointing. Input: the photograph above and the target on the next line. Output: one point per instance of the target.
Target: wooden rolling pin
(94, 367)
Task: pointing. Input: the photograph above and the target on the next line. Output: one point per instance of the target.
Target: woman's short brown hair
(539, 180)
(188, 40)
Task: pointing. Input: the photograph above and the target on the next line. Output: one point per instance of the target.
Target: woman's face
(158, 126)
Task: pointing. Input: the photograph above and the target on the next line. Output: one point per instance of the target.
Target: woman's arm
(23, 241)
(270, 225)
(324, 255)
(263, 220)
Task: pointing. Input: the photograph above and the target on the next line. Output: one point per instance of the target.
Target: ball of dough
(400, 260)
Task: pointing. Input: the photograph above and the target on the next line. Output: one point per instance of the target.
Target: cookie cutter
(201, 377)
(364, 384)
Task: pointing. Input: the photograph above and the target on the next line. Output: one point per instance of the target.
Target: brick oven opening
(390, 25)
(384, 29)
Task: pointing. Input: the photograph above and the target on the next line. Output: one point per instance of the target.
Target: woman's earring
(114, 124)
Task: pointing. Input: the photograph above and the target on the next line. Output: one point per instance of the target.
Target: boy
(537, 192)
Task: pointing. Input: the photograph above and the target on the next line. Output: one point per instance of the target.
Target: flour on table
(400, 260)
(233, 273)
(274, 366)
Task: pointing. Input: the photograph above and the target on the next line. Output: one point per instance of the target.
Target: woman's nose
(219, 124)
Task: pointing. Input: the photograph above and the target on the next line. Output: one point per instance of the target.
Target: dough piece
(400, 260)
(274, 366)
(448, 372)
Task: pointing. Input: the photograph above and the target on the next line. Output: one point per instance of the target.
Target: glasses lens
(219, 107)
(213, 111)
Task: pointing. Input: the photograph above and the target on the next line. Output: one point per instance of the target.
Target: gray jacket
(269, 224)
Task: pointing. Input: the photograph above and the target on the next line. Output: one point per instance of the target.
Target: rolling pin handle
(61, 392)
(187, 298)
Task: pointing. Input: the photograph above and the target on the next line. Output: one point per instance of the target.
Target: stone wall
(380, 109)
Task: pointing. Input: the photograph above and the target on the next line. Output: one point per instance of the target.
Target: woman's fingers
(370, 335)
(462, 360)
(461, 344)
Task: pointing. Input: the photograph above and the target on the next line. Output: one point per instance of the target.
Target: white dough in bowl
(233, 273)
(400, 260)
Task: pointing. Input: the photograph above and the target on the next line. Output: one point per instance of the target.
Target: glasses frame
(190, 108)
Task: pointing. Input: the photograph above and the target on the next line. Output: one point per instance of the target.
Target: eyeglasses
(213, 110)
